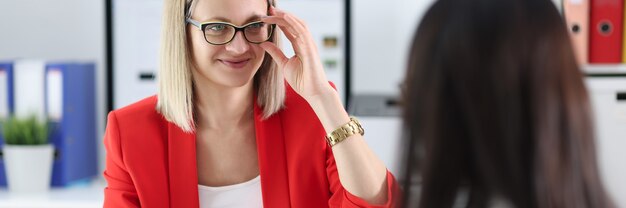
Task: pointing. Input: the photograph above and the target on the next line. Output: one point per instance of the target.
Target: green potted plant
(27, 154)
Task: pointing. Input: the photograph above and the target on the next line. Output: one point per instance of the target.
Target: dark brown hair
(494, 103)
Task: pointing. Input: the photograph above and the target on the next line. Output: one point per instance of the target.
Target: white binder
(29, 88)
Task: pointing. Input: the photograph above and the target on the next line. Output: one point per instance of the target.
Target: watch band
(351, 128)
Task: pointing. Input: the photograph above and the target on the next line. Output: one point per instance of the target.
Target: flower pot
(28, 167)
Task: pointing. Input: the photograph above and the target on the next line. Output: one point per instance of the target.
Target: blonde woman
(234, 126)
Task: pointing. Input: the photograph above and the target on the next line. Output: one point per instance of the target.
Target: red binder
(606, 36)
(576, 14)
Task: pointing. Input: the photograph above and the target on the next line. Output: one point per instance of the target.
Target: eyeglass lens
(220, 33)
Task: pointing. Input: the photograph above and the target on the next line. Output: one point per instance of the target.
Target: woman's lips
(235, 63)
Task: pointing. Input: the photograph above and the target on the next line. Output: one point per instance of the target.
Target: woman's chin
(235, 80)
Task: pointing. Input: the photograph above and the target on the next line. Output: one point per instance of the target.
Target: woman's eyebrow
(224, 19)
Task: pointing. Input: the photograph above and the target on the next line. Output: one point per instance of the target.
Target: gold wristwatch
(338, 135)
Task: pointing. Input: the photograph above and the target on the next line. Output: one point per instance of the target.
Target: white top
(242, 195)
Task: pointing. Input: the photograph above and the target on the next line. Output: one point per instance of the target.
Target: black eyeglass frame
(202, 26)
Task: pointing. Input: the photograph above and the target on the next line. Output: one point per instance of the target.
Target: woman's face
(235, 63)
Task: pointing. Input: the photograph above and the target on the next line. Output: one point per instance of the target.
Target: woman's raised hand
(304, 71)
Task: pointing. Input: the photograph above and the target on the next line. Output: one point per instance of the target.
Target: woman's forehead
(233, 11)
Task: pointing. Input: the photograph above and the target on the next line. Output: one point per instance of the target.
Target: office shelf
(605, 69)
(78, 196)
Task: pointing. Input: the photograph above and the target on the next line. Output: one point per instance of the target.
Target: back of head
(495, 104)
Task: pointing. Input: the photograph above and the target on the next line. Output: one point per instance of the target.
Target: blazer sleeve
(344, 199)
(120, 191)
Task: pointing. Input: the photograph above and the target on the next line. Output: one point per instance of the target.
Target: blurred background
(72, 61)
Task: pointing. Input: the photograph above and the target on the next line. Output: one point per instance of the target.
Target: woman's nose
(239, 44)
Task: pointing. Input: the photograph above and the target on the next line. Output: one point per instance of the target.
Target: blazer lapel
(183, 173)
(272, 159)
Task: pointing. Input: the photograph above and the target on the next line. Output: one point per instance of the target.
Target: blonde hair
(175, 81)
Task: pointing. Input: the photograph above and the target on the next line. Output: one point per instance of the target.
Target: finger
(300, 39)
(303, 46)
(283, 24)
(298, 42)
(301, 22)
(272, 10)
(306, 34)
(275, 52)
(278, 57)
(300, 30)
(292, 20)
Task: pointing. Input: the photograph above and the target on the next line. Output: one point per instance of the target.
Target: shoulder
(141, 115)
(143, 107)
(136, 140)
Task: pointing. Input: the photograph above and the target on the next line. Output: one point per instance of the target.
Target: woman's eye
(217, 27)
(256, 25)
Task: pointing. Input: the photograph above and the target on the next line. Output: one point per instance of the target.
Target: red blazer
(152, 163)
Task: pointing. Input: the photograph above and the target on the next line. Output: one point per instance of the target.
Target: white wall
(57, 30)
(381, 34)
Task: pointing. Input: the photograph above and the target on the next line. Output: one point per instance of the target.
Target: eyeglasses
(220, 33)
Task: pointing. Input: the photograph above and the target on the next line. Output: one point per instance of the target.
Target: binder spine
(6, 82)
(624, 34)
(6, 85)
(606, 31)
(70, 106)
(576, 14)
(53, 104)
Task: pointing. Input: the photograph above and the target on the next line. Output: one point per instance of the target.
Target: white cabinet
(136, 33)
(608, 99)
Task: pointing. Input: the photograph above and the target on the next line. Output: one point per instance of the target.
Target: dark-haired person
(496, 111)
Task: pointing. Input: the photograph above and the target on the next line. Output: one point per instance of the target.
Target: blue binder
(6, 84)
(71, 107)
